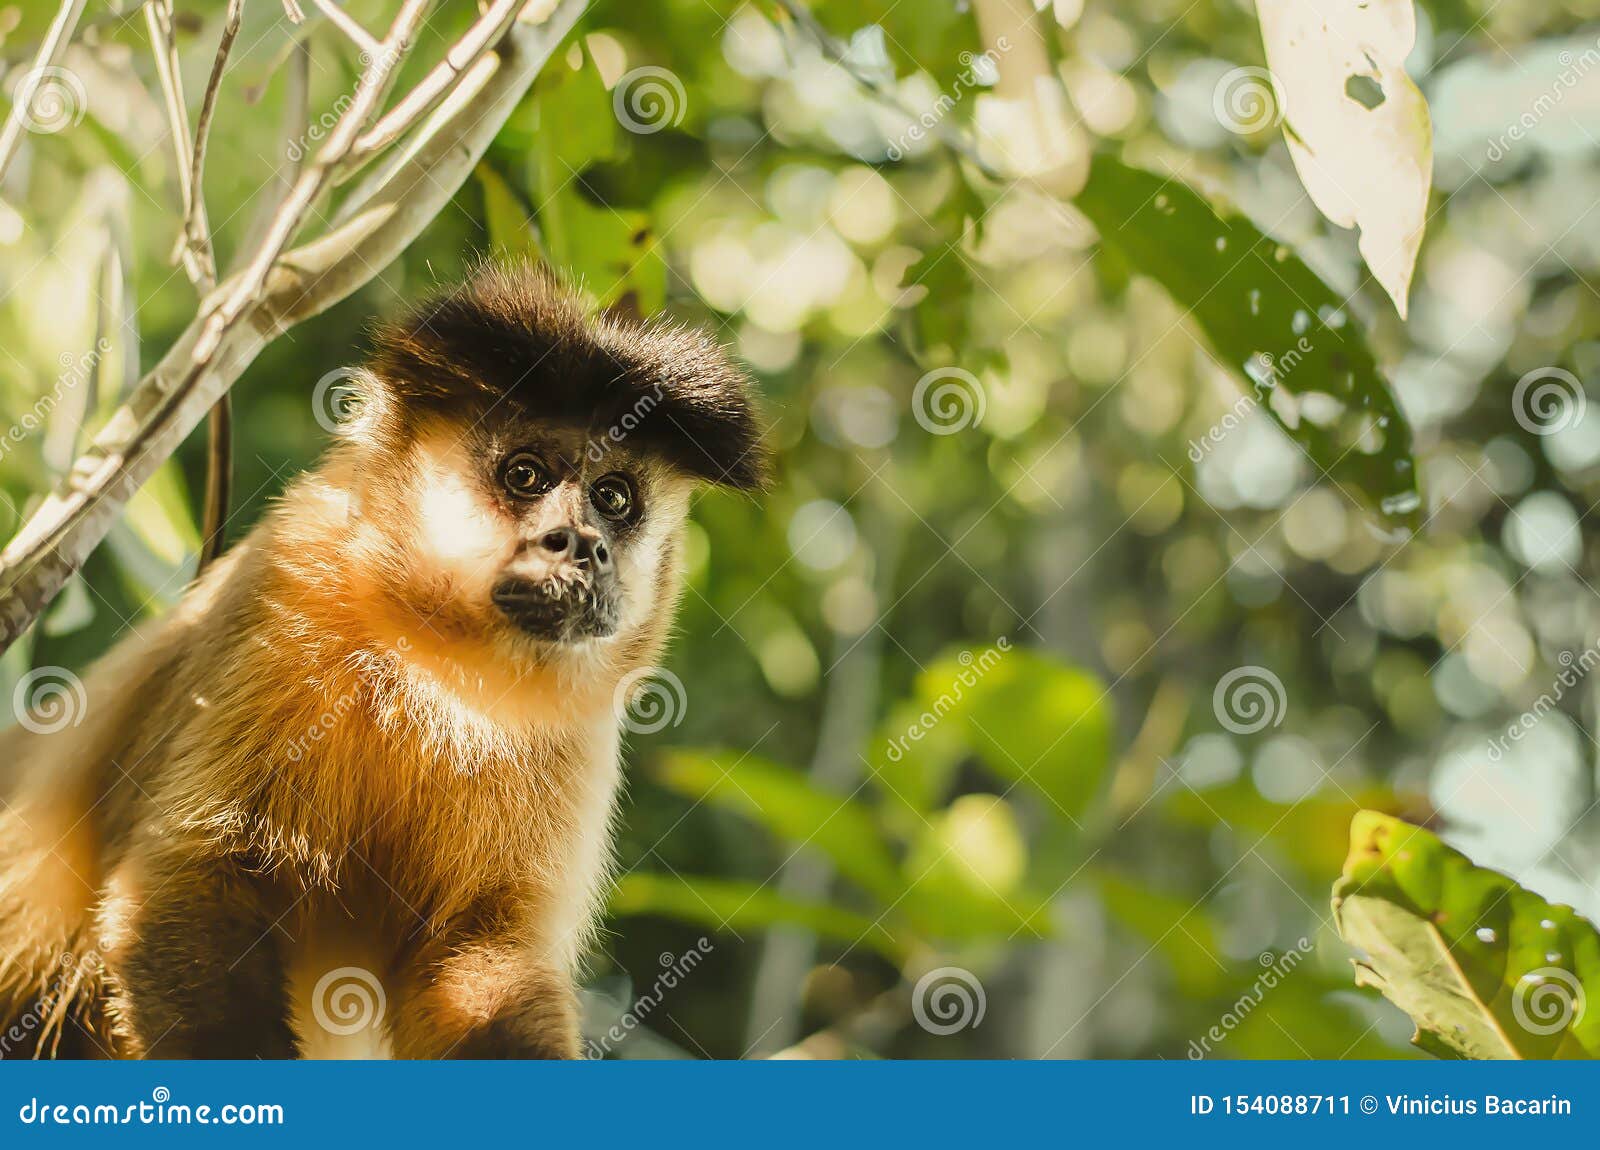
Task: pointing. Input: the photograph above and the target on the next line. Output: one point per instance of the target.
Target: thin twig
(50, 52)
(197, 266)
(313, 178)
(195, 228)
(422, 99)
(348, 24)
(171, 400)
(219, 429)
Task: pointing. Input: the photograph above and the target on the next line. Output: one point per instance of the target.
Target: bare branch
(422, 99)
(50, 52)
(348, 24)
(313, 178)
(198, 267)
(296, 14)
(219, 431)
(195, 226)
(171, 400)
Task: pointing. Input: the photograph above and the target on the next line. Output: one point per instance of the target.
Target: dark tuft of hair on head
(516, 334)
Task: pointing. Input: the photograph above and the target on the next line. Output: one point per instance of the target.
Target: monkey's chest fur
(344, 861)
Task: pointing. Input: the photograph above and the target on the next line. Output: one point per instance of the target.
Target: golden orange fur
(336, 755)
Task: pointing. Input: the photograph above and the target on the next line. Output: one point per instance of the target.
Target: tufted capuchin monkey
(351, 797)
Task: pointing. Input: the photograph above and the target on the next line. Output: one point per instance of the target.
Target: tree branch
(197, 235)
(210, 355)
(50, 52)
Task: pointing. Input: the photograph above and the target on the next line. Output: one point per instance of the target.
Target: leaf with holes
(1485, 968)
(1269, 319)
(1356, 124)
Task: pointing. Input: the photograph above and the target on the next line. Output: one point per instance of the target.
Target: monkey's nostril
(557, 541)
(601, 555)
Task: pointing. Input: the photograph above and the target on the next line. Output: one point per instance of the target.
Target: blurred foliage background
(1061, 583)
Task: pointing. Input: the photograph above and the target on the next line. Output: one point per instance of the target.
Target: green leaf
(1255, 299)
(1031, 719)
(729, 905)
(787, 803)
(510, 227)
(1485, 968)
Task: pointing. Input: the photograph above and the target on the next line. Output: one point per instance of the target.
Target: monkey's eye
(613, 496)
(522, 476)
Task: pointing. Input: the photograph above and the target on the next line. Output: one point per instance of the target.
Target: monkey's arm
(202, 975)
(486, 993)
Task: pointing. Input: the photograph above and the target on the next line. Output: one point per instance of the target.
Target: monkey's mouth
(557, 609)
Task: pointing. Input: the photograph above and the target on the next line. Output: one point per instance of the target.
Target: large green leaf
(734, 906)
(1030, 717)
(1485, 968)
(1270, 319)
(786, 802)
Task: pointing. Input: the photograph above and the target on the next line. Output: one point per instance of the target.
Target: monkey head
(520, 472)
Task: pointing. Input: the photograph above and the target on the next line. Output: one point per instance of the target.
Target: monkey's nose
(572, 544)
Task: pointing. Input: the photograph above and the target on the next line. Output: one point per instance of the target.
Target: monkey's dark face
(521, 532)
(571, 528)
